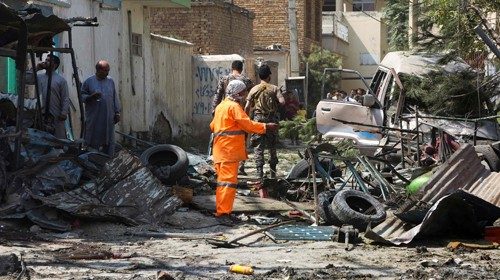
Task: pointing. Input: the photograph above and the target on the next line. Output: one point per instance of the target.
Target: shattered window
(363, 5)
(136, 46)
(329, 5)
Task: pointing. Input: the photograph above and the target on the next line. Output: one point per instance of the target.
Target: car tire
(490, 156)
(301, 170)
(166, 157)
(349, 207)
(324, 207)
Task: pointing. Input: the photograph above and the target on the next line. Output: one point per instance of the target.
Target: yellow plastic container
(241, 269)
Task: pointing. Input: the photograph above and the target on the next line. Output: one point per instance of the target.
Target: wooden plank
(250, 204)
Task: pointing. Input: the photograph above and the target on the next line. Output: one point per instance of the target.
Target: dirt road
(106, 251)
(97, 250)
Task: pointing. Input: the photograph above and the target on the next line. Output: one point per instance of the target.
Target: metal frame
(20, 55)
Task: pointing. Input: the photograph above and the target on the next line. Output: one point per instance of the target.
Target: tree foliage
(450, 94)
(443, 25)
(396, 18)
(298, 128)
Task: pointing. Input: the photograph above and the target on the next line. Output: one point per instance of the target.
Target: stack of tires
(350, 207)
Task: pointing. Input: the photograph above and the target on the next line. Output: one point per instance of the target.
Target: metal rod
(136, 139)
(48, 93)
(21, 87)
(418, 135)
(315, 186)
(49, 49)
(474, 137)
(375, 126)
(402, 145)
(37, 91)
(356, 176)
(307, 215)
(77, 83)
(451, 118)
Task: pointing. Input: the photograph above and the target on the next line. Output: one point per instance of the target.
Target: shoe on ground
(228, 220)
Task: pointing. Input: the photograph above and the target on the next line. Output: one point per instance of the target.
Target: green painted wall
(11, 75)
(7, 75)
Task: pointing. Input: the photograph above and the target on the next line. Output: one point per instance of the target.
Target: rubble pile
(59, 183)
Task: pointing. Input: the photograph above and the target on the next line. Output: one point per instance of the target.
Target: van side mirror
(369, 100)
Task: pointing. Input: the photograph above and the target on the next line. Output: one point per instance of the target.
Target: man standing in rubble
(58, 102)
(229, 125)
(102, 109)
(236, 74)
(264, 100)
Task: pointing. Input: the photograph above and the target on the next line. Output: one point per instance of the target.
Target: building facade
(214, 27)
(271, 24)
(356, 31)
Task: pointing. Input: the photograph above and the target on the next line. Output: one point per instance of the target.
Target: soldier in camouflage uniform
(236, 69)
(264, 100)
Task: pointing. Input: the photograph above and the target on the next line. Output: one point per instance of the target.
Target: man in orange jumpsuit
(228, 126)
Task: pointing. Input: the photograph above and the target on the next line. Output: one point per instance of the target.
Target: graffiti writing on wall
(205, 87)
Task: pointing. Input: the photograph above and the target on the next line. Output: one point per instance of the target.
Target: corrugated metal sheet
(462, 171)
(172, 84)
(125, 190)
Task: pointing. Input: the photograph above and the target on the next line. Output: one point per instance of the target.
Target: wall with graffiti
(207, 70)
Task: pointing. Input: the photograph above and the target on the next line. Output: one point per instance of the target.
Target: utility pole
(294, 49)
(412, 23)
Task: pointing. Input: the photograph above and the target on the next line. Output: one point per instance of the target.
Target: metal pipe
(77, 83)
(418, 136)
(48, 93)
(375, 126)
(49, 49)
(402, 146)
(474, 137)
(21, 85)
(136, 139)
(307, 215)
(452, 118)
(358, 178)
(37, 91)
(315, 186)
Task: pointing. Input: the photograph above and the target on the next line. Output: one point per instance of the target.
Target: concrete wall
(367, 46)
(134, 87)
(170, 109)
(207, 70)
(283, 60)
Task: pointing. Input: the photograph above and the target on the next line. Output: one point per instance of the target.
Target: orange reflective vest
(229, 125)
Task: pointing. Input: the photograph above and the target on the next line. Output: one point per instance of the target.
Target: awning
(40, 28)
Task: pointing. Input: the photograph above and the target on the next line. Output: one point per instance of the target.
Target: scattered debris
(241, 269)
(9, 264)
(455, 245)
(232, 243)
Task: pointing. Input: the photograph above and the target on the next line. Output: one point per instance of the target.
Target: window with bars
(363, 5)
(136, 44)
(329, 5)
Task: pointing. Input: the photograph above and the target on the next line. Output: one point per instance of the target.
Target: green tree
(443, 25)
(396, 18)
(318, 60)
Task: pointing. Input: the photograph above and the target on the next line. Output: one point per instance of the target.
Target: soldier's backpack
(265, 100)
